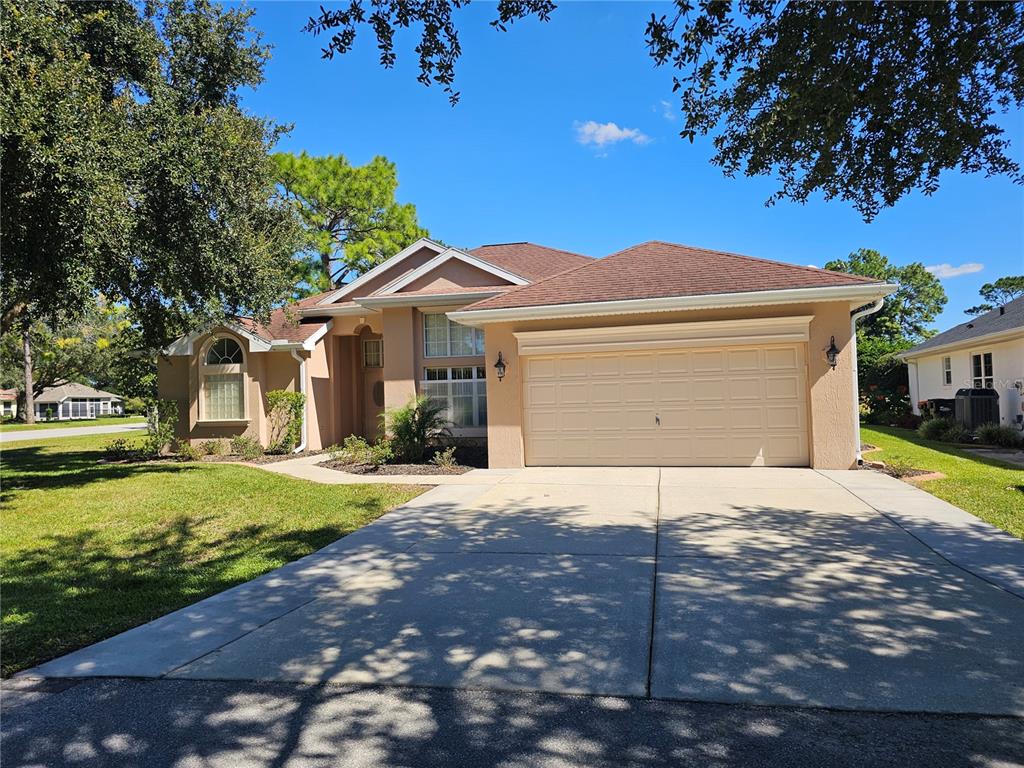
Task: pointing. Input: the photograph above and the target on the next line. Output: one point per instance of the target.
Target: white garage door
(728, 406)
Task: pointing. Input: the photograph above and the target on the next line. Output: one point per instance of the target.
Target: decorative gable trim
(449, 255)
(385, 265)
(184, 345)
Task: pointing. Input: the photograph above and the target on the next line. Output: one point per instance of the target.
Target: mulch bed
(906, 474)
(267, 458)
(395, 469)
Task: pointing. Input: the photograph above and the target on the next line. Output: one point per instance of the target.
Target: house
(986, 352)
(659, 354)
(8, 403)
(75, 401)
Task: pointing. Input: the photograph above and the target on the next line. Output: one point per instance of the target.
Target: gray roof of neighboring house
(994, 321)
(73, 390)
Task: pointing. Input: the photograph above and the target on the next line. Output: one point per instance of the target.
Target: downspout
(305, 402)
(854, 317)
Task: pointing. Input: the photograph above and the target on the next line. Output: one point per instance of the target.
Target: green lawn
(992, 490)
(89, 550)
(100, 421)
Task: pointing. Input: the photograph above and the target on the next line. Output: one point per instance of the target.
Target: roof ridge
(538, 245)
(805, 268)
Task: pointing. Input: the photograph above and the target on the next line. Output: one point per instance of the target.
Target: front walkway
(749, 586)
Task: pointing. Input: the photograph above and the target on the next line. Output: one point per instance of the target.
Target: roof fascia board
(862, 293)
(953, 346)
(446, 256)
(402, 255)
(420, 300)
(184, 345)
(318, 311)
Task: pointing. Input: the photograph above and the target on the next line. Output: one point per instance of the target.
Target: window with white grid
(444, 338)
(462, 391)
(373, 353)
(222, 388)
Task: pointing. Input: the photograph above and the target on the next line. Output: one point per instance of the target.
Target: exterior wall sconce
(500, 366)
(832, 353)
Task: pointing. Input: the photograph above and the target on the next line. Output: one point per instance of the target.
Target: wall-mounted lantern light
(500, 367)
(832, 353)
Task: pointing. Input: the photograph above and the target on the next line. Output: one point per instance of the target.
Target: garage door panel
(735, 406)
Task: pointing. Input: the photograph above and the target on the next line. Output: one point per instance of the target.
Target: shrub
(1002, 435)
(899, 467)
(246, 447)
(188, 452)
(212, 447)
(956, 433)
(285, 417)
(934, 429)
(355, 450)
(120, 449)
(411, 427)
(161, 420)
(908, 420)
(445, 459)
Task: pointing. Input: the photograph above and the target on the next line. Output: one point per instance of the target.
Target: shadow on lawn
(72, 590)
(33, 468)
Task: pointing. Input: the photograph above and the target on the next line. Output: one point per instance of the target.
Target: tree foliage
(907, 313)
(863, 102)
(998, 293)
(129, 168)
(439, 46)
(902, 321)
(349, 213)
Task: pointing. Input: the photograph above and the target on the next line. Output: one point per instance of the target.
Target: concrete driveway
(752, 586)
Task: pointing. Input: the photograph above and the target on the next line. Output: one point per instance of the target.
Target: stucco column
(504, 398)
(399, 356)
(832, 395)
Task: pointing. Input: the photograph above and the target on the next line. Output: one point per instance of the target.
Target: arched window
(222, 381)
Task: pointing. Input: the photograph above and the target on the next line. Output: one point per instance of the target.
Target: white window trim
(380, 343)
(947, 371)
(448, 339)
(983, 377)
(214, 370)
(473, 429)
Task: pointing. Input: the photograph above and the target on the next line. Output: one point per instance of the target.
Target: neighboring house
(986, 352)
(8, 403)
(660, 354)
(75, 401)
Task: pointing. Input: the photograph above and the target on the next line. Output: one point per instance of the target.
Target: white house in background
(8, 403)
(986, 352)
(76, 401)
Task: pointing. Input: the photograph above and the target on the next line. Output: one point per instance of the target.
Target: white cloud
(667, 110)
(602, 134)
(943, 271)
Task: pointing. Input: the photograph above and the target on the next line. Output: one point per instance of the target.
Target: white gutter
(424, 300)
(856, 383)
(305, 400)
(859, 293)
(950, 346)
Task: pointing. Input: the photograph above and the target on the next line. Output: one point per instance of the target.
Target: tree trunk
(325, 261)
(30, 413)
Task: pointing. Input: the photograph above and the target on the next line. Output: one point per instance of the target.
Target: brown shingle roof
(534, 262)
(657, 269)
(284, 325)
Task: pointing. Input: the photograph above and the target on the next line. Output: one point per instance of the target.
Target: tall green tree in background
(129, 169)
(902, 322)
(349, 213)
(998, 293)
(863, 102)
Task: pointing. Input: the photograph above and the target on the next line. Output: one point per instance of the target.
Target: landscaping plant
(1002, 435)
(188, 452)
(413, 426)
(246, 447)
(445, 459)
(161, 418)
(356, 450)
(286, 414)
(119, 449)
(934, 429)
(212, 447)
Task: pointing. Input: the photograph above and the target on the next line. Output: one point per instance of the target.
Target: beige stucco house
(986, 352)
(659, 354)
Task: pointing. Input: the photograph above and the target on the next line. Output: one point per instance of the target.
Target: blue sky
(521, 157)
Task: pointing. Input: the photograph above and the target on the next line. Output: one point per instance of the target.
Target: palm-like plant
(411, 427)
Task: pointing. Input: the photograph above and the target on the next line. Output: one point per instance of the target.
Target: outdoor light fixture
(832, 353)
(500, 367)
